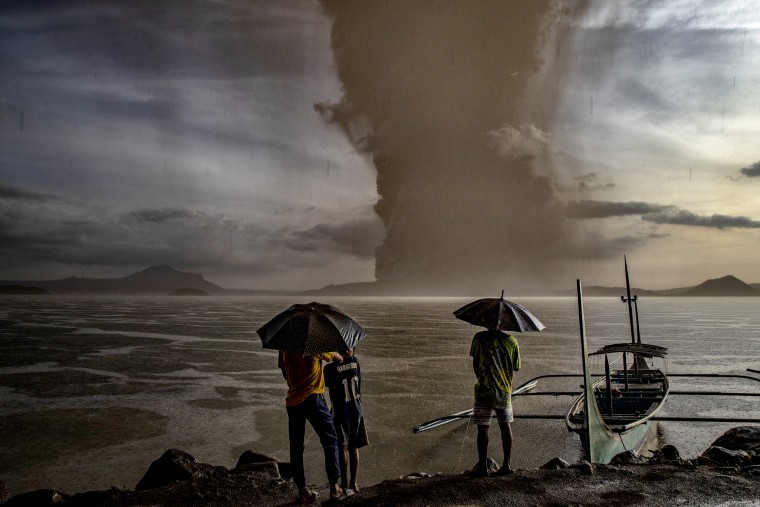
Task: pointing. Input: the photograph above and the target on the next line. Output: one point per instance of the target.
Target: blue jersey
(344, 381)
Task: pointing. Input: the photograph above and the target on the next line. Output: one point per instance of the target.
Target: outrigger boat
(612, 414)
(617, 412)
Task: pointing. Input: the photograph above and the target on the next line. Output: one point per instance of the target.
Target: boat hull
(600, 449)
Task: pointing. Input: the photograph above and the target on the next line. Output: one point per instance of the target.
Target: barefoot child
(344, 382)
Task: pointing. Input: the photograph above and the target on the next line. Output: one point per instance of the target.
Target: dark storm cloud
(589, 182)
(161, 215)
(113, 61)
(197, 39)
(357, 237)
(11, 192)
(716, 221)
(656, 213)
(751, 171)
(44, 227)
(604, 209)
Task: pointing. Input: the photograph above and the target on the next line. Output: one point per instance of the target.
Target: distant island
(21, 289)
(165, 280)
(153, 280)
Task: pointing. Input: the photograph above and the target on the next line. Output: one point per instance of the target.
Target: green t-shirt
(497, 357)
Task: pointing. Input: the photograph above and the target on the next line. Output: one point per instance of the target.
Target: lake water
(95, 389)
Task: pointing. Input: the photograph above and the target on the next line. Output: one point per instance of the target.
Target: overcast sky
(458, 147)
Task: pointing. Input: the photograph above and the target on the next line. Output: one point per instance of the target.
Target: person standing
(344, 382)
(495, 358)
(305, 402)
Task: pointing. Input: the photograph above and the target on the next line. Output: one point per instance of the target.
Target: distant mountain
(21, 289)
(728, 286)
(153, 280)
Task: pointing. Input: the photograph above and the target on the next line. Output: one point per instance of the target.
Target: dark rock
(670, 452)
(267, 468)
(744, 438)
(628, 458)
(555, 464)
(249, 457)
(39, 498)
(584, 467)
(177, 465)
(722, 456)
(416, 475)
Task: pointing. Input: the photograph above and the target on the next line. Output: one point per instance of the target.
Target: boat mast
(629, 300)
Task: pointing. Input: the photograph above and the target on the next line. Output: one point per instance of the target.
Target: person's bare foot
(503, 471)
(306, 496)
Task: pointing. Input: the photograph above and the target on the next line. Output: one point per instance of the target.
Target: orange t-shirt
(303, 374)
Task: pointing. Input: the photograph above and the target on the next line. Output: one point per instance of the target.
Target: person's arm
(517, 358)
(337, 358)
(281, 364)
(474, 352)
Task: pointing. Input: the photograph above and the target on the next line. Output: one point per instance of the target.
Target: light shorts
(483, 412)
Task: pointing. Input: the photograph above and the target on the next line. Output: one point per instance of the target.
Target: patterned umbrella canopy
(499, 313)
(310, 329)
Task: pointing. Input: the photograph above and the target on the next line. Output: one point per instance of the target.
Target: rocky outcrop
(39, 498)
(252, 459)
(738, 447)
(5, 492)
(723, 472)
(176, 465)
(745, 438)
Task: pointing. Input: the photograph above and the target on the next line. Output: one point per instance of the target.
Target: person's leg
(505, 418)
(481, 416)
(322, 422)
(483, 446)
(506, 443)
(354, 457)
(343, 466)
(296, 430)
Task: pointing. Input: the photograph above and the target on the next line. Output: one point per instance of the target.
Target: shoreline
(726, 473)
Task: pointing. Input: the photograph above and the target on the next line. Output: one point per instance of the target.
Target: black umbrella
(310, 329)
(499, 313)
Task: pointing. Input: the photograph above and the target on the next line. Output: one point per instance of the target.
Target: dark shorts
(352, 433)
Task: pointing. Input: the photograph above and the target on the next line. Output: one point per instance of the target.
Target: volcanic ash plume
(450, 100)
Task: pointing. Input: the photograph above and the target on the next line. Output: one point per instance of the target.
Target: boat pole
(608, 384)
(628, 299)
(638, 326)
(588, 390)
